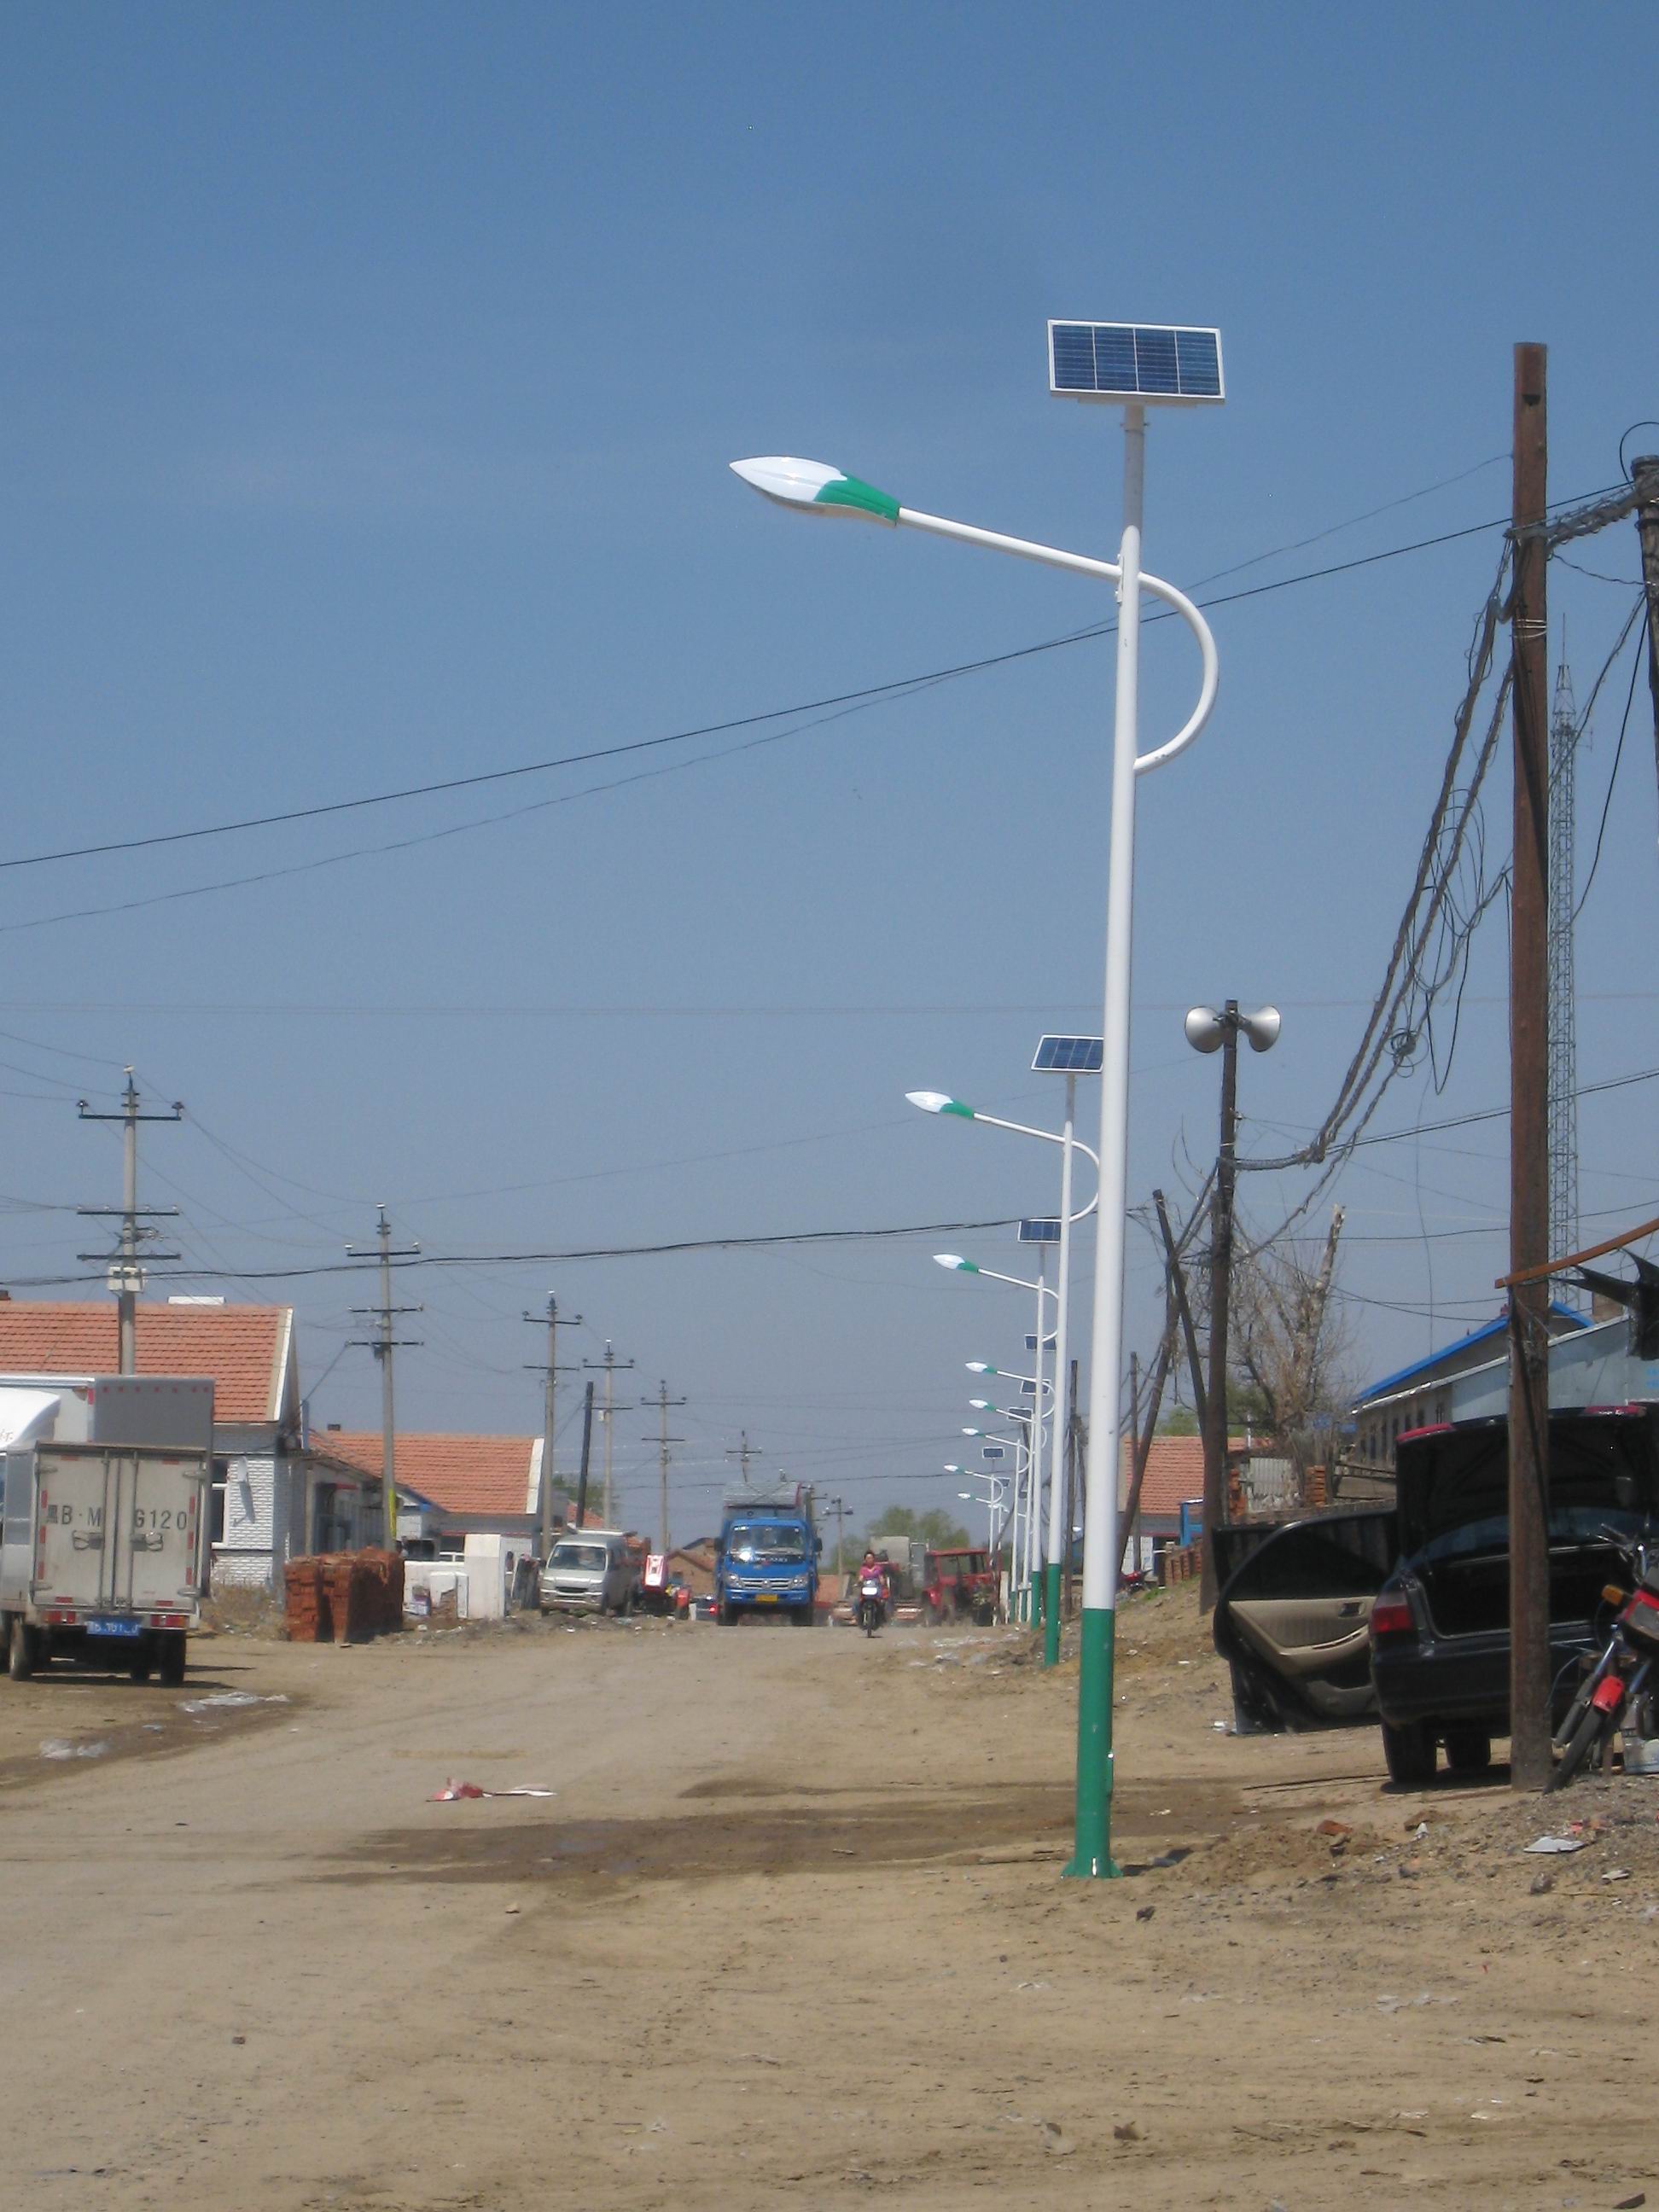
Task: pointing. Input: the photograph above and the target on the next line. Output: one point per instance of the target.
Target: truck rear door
(119, 1530)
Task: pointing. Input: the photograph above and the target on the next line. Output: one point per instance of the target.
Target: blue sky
(366, 391)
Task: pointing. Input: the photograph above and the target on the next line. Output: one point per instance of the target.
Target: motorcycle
(872, 1605)
(1621, 1689)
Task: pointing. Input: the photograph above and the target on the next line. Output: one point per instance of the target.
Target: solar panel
(1164, 362)
(1064, 1055)
(992, 1451)
(1039, 1232)
(1049, 1342)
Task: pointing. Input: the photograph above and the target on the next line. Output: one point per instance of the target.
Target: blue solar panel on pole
(1030, 1341)
(1066, 1055)
(1165, 363)
(1040, 1232)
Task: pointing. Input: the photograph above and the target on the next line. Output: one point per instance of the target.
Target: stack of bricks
(1177, 1563)
(309, 1617)
(344, 1597)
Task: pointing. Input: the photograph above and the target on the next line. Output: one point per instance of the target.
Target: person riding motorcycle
(873, 1568)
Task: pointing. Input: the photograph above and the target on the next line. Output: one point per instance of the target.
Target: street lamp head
(984, 1405)
(973, 1432)
(979, 1367)
(817, 488)
(951, 1467)
(955, 1260)
(940, 1102)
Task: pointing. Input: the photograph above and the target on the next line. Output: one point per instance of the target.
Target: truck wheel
(729, 1615)
(172, 1667)
(144, 1661)
(802, 1616)
(22, 1649)
(1409, 1751)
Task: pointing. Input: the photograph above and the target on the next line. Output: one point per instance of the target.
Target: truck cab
(769, 1559)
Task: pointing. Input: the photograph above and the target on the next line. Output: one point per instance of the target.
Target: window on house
(216, 1501)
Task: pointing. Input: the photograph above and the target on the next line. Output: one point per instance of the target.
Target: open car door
(1293, 1617)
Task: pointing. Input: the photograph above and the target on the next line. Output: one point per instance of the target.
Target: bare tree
(1291, 1343)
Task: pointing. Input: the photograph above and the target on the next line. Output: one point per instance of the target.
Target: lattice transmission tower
(1565, 735)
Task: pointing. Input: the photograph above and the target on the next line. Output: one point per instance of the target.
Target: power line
(686, 1244)
(864, 693)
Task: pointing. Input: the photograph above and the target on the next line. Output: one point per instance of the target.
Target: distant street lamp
(1210, 1031)
(1069, 1056)
(1042, 1398)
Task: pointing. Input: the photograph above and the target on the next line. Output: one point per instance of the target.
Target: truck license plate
(108, 1627)
(767, 1597)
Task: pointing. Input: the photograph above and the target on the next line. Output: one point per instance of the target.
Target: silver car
(589, 1573)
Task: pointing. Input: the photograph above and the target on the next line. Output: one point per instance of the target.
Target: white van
(589, 1571)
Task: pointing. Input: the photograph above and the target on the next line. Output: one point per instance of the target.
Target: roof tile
(243, 1348)
(458, 1474)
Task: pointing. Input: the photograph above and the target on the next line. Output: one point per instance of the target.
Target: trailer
(105, 1485)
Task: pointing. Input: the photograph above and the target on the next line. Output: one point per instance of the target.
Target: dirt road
(792, 1930)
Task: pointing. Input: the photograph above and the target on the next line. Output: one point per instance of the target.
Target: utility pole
(551, 1372)
(1530, 1149)
(742, 1451)
(382, 1344)
(609, 1363)
(125, 1275)
(1566, 738)
(1221, 1269)
(587, 1449)
(1644, 474)
(1177, 1281)
(662, 1440)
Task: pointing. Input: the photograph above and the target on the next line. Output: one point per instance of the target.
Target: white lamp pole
(940, 1101)
(813, 487)
(1033, 1444)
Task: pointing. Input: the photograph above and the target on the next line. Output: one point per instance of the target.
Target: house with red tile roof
(451, 1487)
(273, 1500)
(1175, 1477)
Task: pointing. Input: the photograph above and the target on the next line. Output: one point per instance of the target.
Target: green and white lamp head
(979, 1367)
(955, 1260)
(984, 1405)
(951, 1467)
(818, 488)
(973, 1432)
(940, 1102)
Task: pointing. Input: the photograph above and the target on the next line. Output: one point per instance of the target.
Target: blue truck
(769, 1557)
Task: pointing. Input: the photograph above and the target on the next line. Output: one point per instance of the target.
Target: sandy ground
(793, 1930)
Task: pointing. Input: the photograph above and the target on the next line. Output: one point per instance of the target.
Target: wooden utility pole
(1221, 1271)
(1529, 1156)
(587, 1461)
(1644, 474)
(1177, 1283)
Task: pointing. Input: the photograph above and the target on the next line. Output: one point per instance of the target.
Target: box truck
(105, 1489)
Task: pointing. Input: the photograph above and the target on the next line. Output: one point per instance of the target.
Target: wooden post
(1529, 1161)
(1644, 474)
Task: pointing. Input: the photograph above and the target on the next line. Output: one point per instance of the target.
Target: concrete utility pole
(382, 1344)
(125, 1275)
(662, 1440)
(609, 1363)
(1644, 474)
(1530, 1153)
(742, 1451)
(551, 1372)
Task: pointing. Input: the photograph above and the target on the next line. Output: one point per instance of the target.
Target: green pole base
(1051, 1615)
(1092, 1856)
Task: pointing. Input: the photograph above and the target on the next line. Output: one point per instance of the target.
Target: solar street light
(1131, 366)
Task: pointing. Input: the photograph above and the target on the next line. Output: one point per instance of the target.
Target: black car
(1440, 1624)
